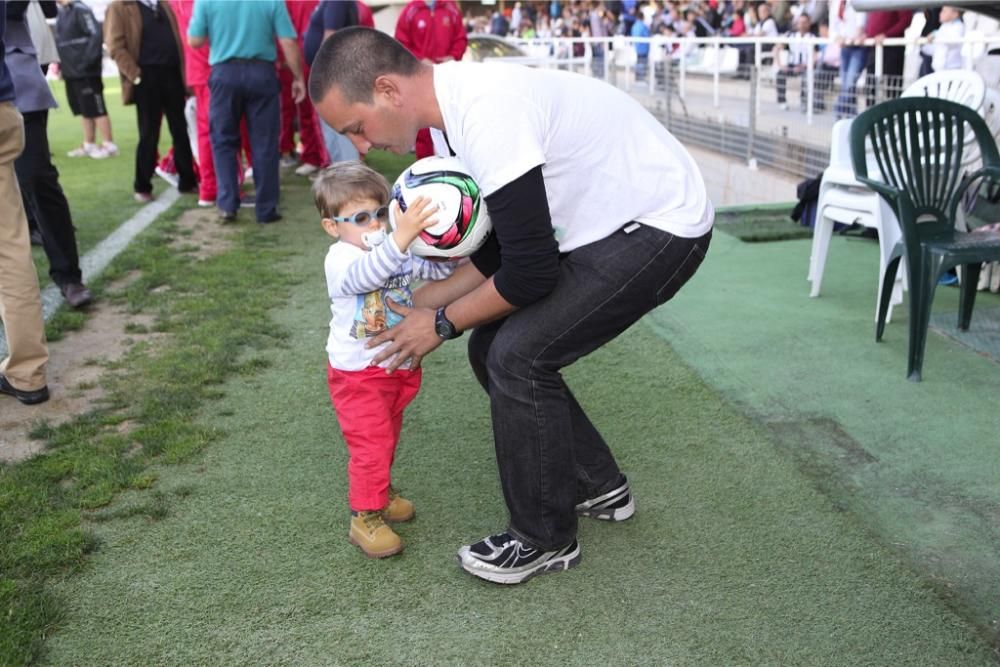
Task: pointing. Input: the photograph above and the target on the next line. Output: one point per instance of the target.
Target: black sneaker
(615, 505)
(504, 559)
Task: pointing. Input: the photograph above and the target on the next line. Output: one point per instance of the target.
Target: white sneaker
(173, 179)
(248, 175)
(206, 203)
(110, 147)
(288, 162)
(995, 278)
(783, 106)
(307, 169)
(88, 150)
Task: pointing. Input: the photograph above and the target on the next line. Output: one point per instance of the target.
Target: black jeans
(891, 84)
(781, 82)
(550, 456)
(161, 94)
(38, 179)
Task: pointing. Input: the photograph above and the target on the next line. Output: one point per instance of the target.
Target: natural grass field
(198, 516)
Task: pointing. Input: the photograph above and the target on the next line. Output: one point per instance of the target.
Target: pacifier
(372, 239)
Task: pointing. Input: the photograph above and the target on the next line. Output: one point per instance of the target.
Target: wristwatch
(443, 326)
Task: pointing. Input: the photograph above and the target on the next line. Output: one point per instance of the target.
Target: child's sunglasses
(364, 217)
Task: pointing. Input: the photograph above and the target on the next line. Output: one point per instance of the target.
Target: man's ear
(388, 86)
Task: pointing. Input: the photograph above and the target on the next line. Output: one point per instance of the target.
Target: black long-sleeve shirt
(522, 255)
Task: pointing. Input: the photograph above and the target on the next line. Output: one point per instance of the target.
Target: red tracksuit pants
(369, 405)
(313, 148)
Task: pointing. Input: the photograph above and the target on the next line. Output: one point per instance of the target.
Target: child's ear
(330, 227)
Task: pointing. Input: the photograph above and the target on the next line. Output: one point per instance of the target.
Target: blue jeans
(852, 61)
(550, 456)
(338, 147)
(245, 88)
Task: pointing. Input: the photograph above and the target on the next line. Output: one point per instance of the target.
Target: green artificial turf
(788, 513)
(760, 224)
(734, 557)
(917, 463)
(99, 192)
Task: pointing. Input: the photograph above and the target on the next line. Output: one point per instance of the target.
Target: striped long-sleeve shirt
(358, 283)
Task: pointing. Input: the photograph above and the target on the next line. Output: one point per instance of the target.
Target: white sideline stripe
(101, 255)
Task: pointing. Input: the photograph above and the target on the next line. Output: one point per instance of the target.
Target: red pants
(313, 149)
(369, 405)
(208, 188)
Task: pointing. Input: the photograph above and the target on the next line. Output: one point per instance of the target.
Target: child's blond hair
(343, 182)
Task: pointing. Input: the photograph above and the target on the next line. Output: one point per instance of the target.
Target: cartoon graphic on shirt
(371, 316)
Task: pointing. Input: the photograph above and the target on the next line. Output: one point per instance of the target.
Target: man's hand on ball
(413, 338)
(418, 217)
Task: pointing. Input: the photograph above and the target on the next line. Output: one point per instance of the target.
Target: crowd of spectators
(848, 55)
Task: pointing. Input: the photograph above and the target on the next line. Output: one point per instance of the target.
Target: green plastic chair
(918, 144)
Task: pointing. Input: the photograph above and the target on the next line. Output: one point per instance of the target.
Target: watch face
(442, 326)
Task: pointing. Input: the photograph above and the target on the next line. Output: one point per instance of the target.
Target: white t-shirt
(605, 159)
(800, 50)
(358, 283)
(948, 56)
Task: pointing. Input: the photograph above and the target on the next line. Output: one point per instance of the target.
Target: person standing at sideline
(144, 42)
(244, 82)
(196, 71)
(37, 177)
(592, 230)
(948, 56)
(434, 32)
(329, 17)
(313, 155)
(81, 49)
(878, 27)
(847, 29)
(22, 372)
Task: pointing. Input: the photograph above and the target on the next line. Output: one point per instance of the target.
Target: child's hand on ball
(419, 216)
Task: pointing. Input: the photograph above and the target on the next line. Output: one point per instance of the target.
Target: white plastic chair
(842, 199)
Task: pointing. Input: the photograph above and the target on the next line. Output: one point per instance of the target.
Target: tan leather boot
(399, 508)
(370, 532)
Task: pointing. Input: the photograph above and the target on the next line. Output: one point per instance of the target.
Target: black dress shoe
(227, 216)
(273, 218)
(26, 397)
(76, 295)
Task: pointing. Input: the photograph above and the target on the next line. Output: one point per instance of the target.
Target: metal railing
(708, 95)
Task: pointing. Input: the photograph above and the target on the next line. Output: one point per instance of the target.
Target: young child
(948, 56)
(367, 266)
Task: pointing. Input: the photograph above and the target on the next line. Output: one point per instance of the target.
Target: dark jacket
(79, 40)
(123, 35)
(33, 92)
(6, 82)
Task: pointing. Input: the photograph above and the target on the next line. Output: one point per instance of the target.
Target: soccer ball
(463, 223)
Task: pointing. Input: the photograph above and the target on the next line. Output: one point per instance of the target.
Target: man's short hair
(343, 182)
(352, 58)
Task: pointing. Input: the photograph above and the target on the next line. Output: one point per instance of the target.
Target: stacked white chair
(842, 199)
